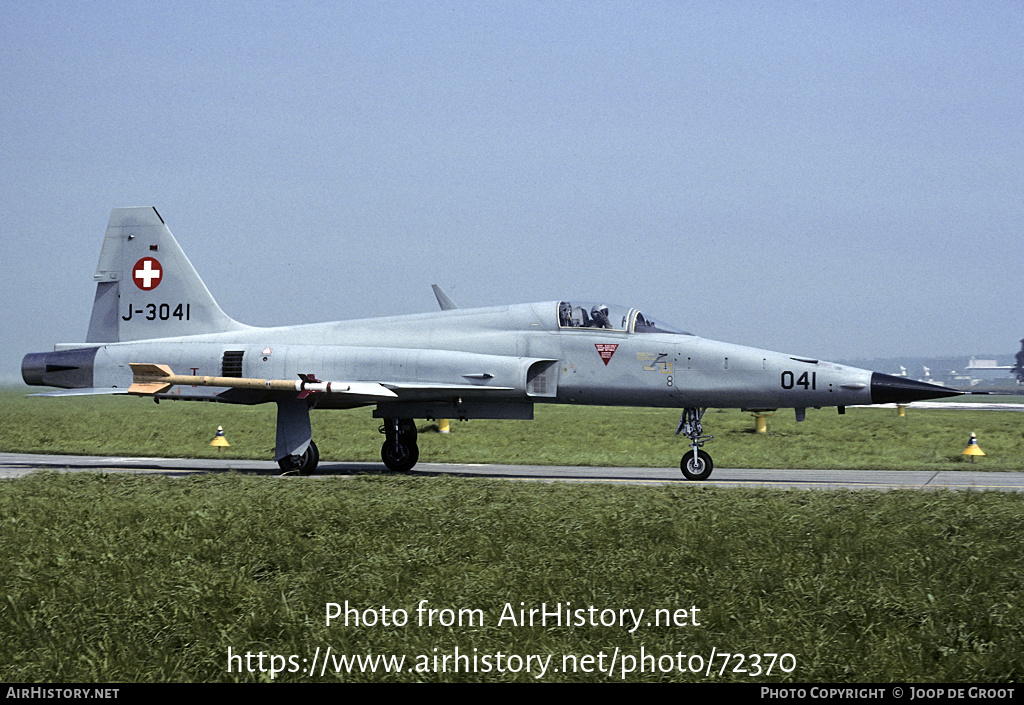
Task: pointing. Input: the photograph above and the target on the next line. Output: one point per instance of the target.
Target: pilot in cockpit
(599, 317)
(565, 314)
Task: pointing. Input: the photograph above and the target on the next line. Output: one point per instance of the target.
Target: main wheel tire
(399, 456)
(304, 464)
(698, 468)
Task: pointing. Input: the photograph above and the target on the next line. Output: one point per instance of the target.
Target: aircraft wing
(417, 391)
(86, 391)
(150, 379)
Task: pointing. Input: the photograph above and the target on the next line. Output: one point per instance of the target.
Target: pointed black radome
(886, 389)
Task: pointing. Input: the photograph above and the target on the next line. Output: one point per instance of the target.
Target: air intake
(231, 365)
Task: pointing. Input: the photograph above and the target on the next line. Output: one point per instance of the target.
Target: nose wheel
(696, 464)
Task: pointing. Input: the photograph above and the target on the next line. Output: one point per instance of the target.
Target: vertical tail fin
(146, 286)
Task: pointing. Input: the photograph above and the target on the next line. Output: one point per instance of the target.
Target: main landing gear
(696, 465)
(304, 464)
(399, 451)
(295, 450)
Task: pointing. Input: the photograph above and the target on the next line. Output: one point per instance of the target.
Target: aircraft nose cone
(886, 389)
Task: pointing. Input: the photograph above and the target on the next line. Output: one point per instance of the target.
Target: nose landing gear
(696, 465)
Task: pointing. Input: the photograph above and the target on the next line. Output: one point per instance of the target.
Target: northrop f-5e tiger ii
(157, 331)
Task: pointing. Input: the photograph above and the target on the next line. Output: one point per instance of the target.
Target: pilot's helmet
(602, 309)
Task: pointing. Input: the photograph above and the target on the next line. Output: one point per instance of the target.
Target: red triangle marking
(606, 350)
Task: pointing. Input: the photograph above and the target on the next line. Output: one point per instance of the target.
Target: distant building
(982, 372)
(987, 369)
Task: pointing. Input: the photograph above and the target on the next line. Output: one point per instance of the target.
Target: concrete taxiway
(13, 465)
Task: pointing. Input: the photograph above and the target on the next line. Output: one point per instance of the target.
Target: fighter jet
(156, 331)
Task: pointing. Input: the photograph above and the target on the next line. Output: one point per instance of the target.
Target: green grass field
(122, 578)
(863, 438)
(126, 578)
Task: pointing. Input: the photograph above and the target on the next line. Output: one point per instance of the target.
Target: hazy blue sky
(836, 180)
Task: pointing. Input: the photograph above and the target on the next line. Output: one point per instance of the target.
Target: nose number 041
(808, 380)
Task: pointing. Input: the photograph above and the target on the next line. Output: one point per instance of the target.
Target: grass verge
(120, 578)
(864, 438)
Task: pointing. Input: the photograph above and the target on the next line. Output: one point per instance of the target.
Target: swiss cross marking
(147, 273)
(606, 350)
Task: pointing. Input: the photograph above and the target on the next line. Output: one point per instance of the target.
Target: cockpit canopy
(598, 316)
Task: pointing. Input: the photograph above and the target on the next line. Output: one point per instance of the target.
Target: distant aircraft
(157, 331)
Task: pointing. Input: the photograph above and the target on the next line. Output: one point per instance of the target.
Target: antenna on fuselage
(443, 300)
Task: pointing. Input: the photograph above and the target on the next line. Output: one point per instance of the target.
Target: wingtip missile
(150, 379)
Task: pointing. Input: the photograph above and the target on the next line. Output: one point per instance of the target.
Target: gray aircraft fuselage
(151, 307)
(488, 355)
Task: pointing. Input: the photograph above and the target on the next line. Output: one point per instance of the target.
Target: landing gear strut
(399, 451)
(696, 465)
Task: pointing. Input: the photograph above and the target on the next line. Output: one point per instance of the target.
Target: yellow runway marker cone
(219, 440)
(972, 448)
